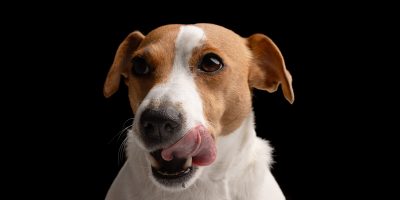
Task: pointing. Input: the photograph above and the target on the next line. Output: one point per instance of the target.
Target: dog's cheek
(237, 99)
(137, 91)
(134, 102)
(213, 110)
(213, 106)
(238, 108)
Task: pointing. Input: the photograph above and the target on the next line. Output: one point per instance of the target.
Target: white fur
(180, 87)
(241, 170)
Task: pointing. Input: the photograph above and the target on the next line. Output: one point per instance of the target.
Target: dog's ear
(121, 62)
(268, 70)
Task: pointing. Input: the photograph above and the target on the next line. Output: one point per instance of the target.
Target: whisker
(118, 135)
(121, 151)
(128, 124)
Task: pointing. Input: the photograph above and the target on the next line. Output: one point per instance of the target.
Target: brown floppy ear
(269, 68)
(121, 62)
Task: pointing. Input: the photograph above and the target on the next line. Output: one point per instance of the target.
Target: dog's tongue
(197, 143)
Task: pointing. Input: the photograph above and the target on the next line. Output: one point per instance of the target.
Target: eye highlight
(211, 62)
(140, 66)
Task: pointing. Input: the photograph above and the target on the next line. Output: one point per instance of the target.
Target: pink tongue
(197, 143)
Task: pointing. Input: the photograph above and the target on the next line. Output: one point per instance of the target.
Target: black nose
(160, 126)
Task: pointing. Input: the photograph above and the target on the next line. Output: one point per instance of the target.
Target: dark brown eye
(140, 66)
(211, 63)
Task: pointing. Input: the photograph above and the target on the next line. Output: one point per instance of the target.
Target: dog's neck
(234, 149)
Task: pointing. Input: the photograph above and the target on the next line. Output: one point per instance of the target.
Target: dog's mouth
(176, 164)
(170, 170)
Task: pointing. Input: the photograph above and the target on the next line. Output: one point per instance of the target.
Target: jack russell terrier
(193, 136)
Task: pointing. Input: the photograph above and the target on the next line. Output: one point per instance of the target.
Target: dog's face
(188, 86)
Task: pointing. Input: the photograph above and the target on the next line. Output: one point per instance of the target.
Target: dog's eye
(140, 66)
(211, 63)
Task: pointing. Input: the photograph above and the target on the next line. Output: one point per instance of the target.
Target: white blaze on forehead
(180, 88)
(183, 87)
(189, 37)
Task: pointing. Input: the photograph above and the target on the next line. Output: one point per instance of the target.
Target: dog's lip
(175, 168)
(171, 175)
(157, 165)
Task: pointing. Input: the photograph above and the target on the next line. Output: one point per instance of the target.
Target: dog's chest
(200, 191)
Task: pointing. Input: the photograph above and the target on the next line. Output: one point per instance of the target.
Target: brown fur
(269, 68)
(226, 95)
(253, 62)
(153, 49)
(121, 62)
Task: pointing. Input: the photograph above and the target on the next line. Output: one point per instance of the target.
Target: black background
(67, 133)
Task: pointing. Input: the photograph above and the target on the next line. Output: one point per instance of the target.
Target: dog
(193, 135)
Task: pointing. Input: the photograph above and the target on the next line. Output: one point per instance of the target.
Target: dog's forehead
(225, 40)
(216, 35)
(166, 34)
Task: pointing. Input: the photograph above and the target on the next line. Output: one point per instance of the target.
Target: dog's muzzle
(175, 153)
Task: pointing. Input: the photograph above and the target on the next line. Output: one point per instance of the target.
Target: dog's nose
(157, 126)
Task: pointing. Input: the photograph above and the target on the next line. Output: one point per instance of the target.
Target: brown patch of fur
(268, 70)
(120, 64)
(226, 94)
(158, 49)
(254, 62)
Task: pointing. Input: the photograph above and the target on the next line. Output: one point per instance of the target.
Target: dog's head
(189, 85)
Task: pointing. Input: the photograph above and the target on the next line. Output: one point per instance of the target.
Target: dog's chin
(175, 175)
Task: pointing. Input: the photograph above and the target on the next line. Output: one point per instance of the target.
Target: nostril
(148, 127)
(169, 127)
